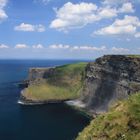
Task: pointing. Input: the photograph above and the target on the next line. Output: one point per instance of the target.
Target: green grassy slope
(65, 83)
(133, 56)
(122, 122)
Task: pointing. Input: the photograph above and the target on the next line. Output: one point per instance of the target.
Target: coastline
(23, 101)
(75, 104)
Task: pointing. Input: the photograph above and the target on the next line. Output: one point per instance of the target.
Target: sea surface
(42, 122)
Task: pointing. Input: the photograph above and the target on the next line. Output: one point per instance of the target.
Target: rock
(108, 79)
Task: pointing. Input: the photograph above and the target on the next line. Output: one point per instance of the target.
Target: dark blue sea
(43, 122)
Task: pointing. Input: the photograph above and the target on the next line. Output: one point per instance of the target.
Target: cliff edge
(96, 85)
(108, 79)
(121, 122)
(50, 85)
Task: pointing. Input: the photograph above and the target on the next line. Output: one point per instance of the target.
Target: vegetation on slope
(133, 56)
(64, 83)
(122, 122)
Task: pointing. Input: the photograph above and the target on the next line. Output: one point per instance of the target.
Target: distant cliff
(97, 84)
(49, 85)
(110, 78)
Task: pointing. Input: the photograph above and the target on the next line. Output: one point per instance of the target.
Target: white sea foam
(76, 103)
(20, 102)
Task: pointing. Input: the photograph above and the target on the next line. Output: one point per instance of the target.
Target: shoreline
(29, 102)
(75, 104)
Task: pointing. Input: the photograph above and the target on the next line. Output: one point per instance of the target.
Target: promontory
(109, 86)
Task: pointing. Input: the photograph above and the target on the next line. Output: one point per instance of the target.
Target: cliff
(97, 84)
(108, 79)
(105, 86)
(48, 85)
(122, 122)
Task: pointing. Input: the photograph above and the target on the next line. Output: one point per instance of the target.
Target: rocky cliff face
(37, 75)
(110, 78)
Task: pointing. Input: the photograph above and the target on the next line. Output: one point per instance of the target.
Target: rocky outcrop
(36, 75)
(110, 78)
(51, 85)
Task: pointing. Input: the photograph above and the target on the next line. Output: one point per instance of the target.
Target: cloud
(45, 2)
(90, 48)
(114, 2)
(119, 50)
(118, 2)
(71, 16)
(126, 8)
(38, 46)
(3, 46)
(21, 46)
(59, 46)
(107, 12)
(128, 25)
(84, 48)
(3, 14)
(137, 35)
(30, 28)
(3, 3)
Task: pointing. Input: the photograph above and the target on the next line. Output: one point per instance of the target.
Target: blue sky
(74, 29)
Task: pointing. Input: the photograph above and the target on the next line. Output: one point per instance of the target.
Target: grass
(133, 56)
(122, 122)
(65, 83)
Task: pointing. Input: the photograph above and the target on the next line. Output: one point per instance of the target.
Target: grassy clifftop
(122, 122)
(64, 82)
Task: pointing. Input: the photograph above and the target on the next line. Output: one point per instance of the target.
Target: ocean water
(42, 122)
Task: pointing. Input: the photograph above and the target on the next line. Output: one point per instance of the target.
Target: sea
(38, 122)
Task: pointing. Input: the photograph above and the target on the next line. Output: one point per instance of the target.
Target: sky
(68, 29)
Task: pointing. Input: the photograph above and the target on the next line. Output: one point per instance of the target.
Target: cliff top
(52, 84)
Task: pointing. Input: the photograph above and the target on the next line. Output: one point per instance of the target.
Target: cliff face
(121, 122)
(110, 78)
(37, 75)
(49, 85)
(99, 83)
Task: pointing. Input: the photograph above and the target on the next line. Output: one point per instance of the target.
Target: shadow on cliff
(103, 90)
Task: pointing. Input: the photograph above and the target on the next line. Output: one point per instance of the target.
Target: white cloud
(114, 2)
(118, 2)
(3, 46)
(3, 14)
(107, 12)
(119, 50)
(45, 2)
(128, 39)
(71, 16)
(59, 46)
(137, 35)
(74, 16)
(128, 25)
(126, 8)
(3, 3)
(90, 48)
(84, 48)
(38, 46)
(30, 28)
(21, 46)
